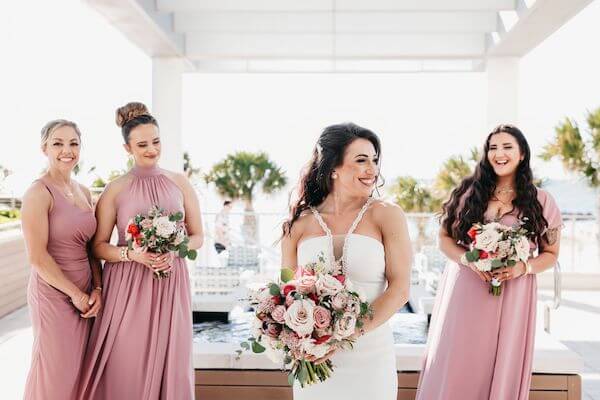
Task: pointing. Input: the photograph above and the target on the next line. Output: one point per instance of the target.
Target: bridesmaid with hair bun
(141, 345)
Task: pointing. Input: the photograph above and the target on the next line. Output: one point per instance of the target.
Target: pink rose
(278, 314)
(339, 301)
(306, 284)
(146, 223)
(290, 339)
(322, 317)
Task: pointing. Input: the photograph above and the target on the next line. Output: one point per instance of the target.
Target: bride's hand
(322, 359)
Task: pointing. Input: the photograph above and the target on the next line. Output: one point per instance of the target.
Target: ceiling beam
(343, 22)
(534, 25)
(140, 23)
(360, 46)
(337, 5)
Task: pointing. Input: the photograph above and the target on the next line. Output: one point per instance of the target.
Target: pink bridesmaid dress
(141, 345)
(60, 335)
(480, 347)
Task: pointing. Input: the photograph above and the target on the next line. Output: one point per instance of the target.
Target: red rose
(341, 278)
(472, 233)
(322, 339)
(288, 288)
(138, 241)
(313, 297)
(483, 255)
(276, 300)
(133, 229)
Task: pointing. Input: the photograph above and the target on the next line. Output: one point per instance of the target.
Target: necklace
(506, 189)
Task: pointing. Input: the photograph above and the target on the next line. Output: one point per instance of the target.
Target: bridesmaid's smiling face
(144, 145)
(358, 173)
(504, 154)
(62, 149)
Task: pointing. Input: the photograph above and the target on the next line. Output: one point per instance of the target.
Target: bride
(336, 216)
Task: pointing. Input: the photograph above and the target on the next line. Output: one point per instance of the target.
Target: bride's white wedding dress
(369, 370)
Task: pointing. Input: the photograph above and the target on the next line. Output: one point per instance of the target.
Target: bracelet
(528, 268)
(123, 255)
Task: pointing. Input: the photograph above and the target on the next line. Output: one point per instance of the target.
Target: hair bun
(130, 111)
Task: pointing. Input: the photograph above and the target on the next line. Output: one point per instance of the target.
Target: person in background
(222, 240)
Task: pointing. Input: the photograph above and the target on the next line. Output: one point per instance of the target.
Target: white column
(503, 91)
(166, 107)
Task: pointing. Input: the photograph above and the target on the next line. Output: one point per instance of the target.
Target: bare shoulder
(37, 194)
(299, 227)
(385, 211)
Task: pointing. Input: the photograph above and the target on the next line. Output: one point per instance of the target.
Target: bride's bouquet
(495, 246)
(301, 318)
(158, 232)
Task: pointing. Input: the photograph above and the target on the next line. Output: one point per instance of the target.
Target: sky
(65, 60)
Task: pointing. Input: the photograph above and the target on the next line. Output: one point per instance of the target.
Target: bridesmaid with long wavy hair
(480, 346)
(58, 223)
(141, 345)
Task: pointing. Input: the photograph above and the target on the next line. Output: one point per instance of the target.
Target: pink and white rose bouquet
(158, 232)
(304, 316)
(494, 246)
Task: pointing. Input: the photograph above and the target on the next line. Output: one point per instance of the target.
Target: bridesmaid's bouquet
(495, 246)
(301, 318)
(158, 232)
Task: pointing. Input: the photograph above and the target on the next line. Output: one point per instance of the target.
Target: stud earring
(334, 175)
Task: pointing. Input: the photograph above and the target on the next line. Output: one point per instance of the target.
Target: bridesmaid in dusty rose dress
(481, 346)
(58, 221)
(141, 344)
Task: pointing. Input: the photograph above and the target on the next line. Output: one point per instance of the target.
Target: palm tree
(453, 171)
(239, 176)
(576, 154)
(414, 196)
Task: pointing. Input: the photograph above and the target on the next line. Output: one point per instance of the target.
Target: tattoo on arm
(551, 236)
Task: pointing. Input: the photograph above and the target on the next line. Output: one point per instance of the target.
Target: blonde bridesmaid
(65, 284)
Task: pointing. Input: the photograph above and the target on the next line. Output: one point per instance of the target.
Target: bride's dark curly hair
(468, 202)
(316, 182)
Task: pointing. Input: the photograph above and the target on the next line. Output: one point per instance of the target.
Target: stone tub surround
(550, 357)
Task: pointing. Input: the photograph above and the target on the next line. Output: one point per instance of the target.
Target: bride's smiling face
(357, 176)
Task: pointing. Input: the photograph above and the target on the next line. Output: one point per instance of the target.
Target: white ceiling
(337, 35)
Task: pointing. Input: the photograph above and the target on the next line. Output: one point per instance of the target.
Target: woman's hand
(484, 276)
(154, 261)
(95, 302)
(322, 359)
(81, 302)
(508, 273)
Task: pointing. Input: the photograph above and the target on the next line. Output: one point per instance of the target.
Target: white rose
(345, 326)
(484, 265)
(487, 240)
(164, 227)
(327, 285)
(317, 350)
(299, 317)
(522, 248)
